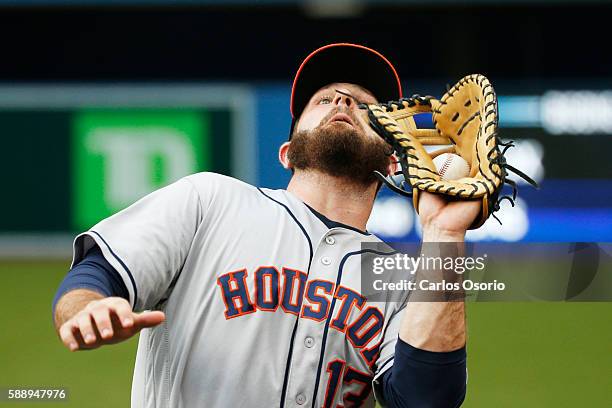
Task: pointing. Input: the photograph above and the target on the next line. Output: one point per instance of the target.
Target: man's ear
(282, 155)
(393, 166)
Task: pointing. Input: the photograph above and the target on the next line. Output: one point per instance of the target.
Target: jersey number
(338, 369)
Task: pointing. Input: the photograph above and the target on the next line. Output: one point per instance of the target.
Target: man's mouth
(342, 117)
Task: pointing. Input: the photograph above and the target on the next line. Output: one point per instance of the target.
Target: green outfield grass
(520, 355)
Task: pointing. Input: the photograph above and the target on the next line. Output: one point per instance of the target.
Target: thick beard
(341, 151)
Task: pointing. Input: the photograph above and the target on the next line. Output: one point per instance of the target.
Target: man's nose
(341, 99)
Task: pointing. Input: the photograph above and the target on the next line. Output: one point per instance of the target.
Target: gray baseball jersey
(262, 299)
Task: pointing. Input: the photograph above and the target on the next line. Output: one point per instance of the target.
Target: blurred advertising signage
(84, 152)
(576, 112)
(120, 156)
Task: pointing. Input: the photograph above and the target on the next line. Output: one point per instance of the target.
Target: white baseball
(451, 166)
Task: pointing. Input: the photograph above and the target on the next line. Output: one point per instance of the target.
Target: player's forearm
(436, 325)
(72, 303)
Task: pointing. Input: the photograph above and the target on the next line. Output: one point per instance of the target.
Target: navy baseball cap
(343, 62)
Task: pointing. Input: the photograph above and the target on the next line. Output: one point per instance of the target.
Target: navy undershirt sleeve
(94, 273)
(425, 379)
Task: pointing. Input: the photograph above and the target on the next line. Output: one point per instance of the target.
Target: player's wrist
(433, 232)
(71, 303)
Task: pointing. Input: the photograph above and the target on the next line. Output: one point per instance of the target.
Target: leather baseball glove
(465, 119)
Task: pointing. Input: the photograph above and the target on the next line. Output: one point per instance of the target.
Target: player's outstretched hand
(105, 321)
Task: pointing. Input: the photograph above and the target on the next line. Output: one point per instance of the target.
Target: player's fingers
(67, 336)
(83, 320)
(149, 319)
(123, 310)
(101, 318)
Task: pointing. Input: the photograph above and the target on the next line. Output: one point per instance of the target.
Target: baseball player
(251, 297)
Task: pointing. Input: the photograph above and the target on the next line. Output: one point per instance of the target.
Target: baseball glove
(465, 119)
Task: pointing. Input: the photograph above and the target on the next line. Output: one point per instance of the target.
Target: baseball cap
(344, 62)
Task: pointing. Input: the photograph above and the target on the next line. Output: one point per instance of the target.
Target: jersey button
(300, 399)
(330, 240)
(326, 260)
(309, 342)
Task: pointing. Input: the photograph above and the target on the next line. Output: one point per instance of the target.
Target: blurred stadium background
(102, 101)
